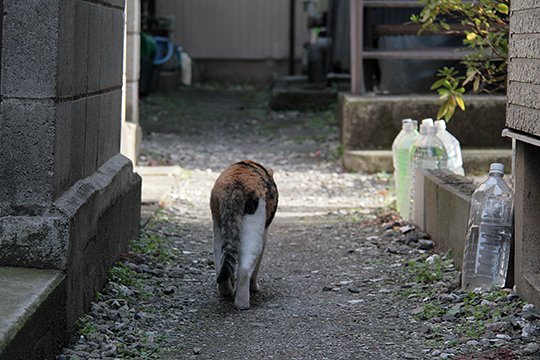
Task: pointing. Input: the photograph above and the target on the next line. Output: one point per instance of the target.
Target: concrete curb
(31, 308)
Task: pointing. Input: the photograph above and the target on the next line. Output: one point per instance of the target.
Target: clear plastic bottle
(489, 235)
(452, 146)
(427, 152)
(401, 149)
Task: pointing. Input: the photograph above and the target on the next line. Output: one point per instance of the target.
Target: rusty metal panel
(235, 29)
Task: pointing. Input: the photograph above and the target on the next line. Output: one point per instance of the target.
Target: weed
(431, 310)
(86, 325)
(154, 246)
(426, 272)
(122, 274)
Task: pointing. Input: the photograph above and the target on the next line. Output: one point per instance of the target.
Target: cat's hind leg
(225, 288)
(254, 284)
(251, 248)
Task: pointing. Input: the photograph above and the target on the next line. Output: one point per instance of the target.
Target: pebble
(426, 244)
(169, 290)
(530, 349)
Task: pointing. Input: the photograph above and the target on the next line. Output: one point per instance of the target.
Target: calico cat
(243, 203)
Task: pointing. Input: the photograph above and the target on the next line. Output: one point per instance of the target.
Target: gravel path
(342, 278)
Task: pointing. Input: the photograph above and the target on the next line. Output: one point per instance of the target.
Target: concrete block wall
(523, 119)
(69, 200)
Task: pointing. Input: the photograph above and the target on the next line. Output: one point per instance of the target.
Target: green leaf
(502, 8)
(476, 84)
(450, 113)
(442, 111)
(460, 102)
(438, 84)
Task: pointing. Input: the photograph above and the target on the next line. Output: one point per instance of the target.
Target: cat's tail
(231, 212)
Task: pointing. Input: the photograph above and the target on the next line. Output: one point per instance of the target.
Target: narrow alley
(341, 278)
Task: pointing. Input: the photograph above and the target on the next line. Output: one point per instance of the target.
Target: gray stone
(530, 349)
(426, 244)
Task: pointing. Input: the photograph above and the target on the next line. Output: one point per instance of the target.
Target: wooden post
(357, 66)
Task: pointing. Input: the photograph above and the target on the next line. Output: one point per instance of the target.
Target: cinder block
(524, 4)
(95, 44)
(523, 70)
(63, 147)
(133, 57)
(524, 46)
(93, 104)
(78, 136)
(523, 119)
(112, 45)
(526, 21)
(526, 95)
(80, 47)
(110, 120)
(27, 130)
(65, 85)
(29, 48)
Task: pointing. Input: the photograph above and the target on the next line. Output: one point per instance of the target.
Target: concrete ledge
(442, 209)
(372, 122)
(31, 313)
(442, 204)
(476, 161)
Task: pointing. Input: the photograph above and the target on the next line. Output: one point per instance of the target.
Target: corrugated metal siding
(235, 29)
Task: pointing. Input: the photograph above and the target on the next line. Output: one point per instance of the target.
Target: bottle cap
(404, 121)
(440, 124)
(496, 168)
(428, 121)
(408, 126)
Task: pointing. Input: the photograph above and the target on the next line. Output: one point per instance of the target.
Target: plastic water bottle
(427, 152)
(452, 146)
(401, 154)
(489, 235)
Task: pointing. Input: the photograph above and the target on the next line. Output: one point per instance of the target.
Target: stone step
(476, 161)
(32, 318)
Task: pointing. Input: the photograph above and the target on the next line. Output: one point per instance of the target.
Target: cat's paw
(241, 304)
